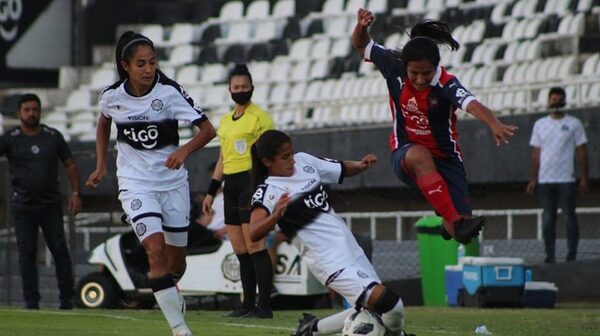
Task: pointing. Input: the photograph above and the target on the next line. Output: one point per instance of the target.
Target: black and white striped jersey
(147, 132)
(326, 243)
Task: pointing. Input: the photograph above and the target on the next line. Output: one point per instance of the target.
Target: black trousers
(27, 221)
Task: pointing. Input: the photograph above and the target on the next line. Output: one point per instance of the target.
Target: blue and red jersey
(426, 117)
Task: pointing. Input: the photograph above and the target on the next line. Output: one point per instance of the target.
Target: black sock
(248, 280)
(263, 268)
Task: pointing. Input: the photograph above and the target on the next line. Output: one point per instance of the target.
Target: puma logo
(436, 190)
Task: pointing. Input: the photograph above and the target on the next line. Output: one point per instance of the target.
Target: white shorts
(351, 281)
(150, 212)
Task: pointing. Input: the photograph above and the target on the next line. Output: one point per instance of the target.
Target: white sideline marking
(255, 326)
(118, 317)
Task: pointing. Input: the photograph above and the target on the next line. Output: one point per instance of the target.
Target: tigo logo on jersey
(146, 137)
(317, 200)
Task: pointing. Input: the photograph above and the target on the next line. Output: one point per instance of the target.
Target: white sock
(333, 323)
(394, 319)
(169, 302)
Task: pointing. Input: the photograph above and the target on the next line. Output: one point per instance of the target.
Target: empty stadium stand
(308, 75)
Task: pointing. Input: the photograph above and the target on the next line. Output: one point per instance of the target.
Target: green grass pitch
(580, 320)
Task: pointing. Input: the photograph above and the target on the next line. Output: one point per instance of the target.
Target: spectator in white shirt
(555, 139)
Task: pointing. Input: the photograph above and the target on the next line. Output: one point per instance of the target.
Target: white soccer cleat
(182, 331)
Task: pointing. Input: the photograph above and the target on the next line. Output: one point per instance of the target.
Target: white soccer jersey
(147, 132)
(326, 243)
(557, 140)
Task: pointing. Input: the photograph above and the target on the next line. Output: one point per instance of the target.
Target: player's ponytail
(438, 31)
(267, 146)
(124, 51)
(424, 39)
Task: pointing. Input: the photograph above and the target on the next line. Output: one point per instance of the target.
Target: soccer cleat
(259, 313)
(237, 313)
(445, 234)
(467, 228)
(406, 334)
(306, 325)
(182, 330)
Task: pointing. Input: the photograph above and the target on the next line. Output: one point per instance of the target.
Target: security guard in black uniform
(33, 151)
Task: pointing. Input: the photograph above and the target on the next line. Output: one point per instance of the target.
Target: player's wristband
(213, 187)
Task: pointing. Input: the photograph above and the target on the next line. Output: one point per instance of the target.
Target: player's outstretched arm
(500, 131)
(360, 35)
(352, 168)
(261, 223)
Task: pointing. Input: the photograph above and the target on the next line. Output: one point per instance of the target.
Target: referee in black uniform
(33, 151)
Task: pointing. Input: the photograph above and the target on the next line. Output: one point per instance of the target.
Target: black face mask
(243, 97)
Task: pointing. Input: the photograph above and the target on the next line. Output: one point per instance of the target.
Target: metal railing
(401, 216)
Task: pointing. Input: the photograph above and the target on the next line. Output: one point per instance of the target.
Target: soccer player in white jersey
(289, 192)
(146, 106)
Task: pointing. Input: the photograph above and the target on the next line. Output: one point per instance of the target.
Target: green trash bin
(434, 254)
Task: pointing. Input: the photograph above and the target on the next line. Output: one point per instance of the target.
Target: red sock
(435, 190)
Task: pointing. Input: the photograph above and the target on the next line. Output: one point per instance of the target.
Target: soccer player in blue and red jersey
(423, 100)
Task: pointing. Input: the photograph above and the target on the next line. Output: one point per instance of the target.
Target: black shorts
(237, 193)
(451, 170)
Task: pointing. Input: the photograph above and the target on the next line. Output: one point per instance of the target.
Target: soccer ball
(365, 323)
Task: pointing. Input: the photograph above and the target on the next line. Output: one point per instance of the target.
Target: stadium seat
(312, 93)
(352, 6)
(213, 73)
(567, 67)
(584, 5)
(320, 48)
(499, 13)
(188, 75)
(217, 96)
(300, 70)
(78, 100)
(234, 54)
(235, 32)
(319, 69)
(338, 26)
(589, 66)
(280, 69)
(257, 10)
(259, 52)
(231, 11)
(378, 6)
(333, 7)
(341, 47)
(593, 94)
(184, 33)
(183, 54)
(154, 32)
(259, 71)
(300, 49)
(195, 92)
(267, 30)
(284, 9)
(279, 94)
(296, 94)
(102, 77)
(260, 95)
